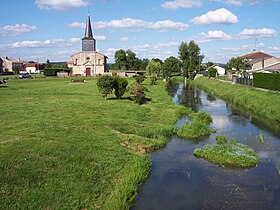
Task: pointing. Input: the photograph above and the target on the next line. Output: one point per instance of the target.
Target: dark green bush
(105, 85)
(120, 85)
(267, 81)
(53, 71)
(221, 139)
(139, 78)
(212, 72)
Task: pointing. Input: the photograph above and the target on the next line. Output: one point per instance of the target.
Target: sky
(37, 30)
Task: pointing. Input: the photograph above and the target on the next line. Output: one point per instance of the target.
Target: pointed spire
(88, 32)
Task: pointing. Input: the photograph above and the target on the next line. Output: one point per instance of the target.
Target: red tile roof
(256, 55)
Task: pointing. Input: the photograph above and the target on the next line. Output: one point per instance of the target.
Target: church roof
(88, 32)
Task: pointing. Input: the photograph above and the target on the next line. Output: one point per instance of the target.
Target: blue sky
(52, 29)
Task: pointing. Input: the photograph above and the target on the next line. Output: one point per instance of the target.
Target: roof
(88, 32)
(69, 62)
(256, 55)
(30, 64)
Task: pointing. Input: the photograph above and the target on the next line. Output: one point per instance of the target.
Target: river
(179, 180)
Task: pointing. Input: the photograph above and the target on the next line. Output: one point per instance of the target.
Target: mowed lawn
(62, 146)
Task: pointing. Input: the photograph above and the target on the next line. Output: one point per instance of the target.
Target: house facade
(89, 62)
(262, 62)
(33, 68)
(1, 65)
(9, 64)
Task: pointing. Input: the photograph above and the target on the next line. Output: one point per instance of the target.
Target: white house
(220, 70)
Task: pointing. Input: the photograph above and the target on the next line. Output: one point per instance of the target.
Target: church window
(98, 62)
(88, 58)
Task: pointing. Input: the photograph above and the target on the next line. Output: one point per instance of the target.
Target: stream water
(179, 180)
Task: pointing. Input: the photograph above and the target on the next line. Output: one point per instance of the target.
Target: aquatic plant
(278, 168)
(202, 117)
(238, 155)
(194, 130)
(221, 139)
(261, 137)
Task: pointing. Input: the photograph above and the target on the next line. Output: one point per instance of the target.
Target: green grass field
(62, 146)
(261, 102)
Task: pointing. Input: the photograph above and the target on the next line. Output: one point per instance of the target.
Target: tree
(105, 85)
(137, 92)
(120, 85)
(238, 64)
(153, 68)
(16, 69)
(144, 63)
(190, 57)
(157, 60)
(48, 65)
(171, 65)
(120, 59)
(212, 72)
(131, 60)
(139, 79)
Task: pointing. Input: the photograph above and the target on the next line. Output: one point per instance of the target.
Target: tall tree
(121, 59)
(237, 64)
(144, 64)
(153, 68)
(190, 57)
(170, 65)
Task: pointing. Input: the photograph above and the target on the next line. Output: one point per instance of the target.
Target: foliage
(237, 155)
(48, 64)
(139, 78)
(260, 102)
(277, 168)
(233, 141)
(105, 85)
(261, 137)
(153, 80)
(190, 57)
(267, 81)
(49, 166)
(212, 72)
(127, 60)
(53, 71)
(221, 139)
(16, 69)
(202, 117)
(237, 64)
(137, 92)
(194, 130)
(171, 65)
(157, 60)
(120, 85)
(153, 68)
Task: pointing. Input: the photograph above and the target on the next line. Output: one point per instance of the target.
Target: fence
(244, 81)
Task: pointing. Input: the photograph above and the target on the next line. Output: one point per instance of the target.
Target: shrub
(137, 92)
(233, 141)
(212, 72)
(221, 139)
(139, 78)
(194, 130)
(53, 71)
(203, 117)
(105, 85)
(153, 80)
(266, 80)
(120, 85)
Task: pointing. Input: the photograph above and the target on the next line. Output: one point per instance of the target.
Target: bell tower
(88, 42)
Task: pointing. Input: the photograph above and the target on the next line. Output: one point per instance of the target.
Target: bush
(212, 72)
(221, 139)
(203, 117)
(153, 80)
(267, 81)
(53, 71)
(194, 130)
(139, 78)
(105, 85)
(137, 92)
(120, 85)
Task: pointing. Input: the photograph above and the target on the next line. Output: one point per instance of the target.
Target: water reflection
(180, 181)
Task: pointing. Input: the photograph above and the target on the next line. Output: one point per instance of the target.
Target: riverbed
(179, 180)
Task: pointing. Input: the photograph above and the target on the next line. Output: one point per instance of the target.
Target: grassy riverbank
(64, 147)
(260, 102)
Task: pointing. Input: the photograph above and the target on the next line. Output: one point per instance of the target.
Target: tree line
(188, 62)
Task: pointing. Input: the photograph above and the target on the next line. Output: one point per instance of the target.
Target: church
(88, 62)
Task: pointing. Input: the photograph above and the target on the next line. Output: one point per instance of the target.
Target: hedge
(53, 71)
(267, 80)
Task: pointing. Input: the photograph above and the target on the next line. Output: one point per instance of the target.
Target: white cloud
(124, 39)
(75, 40)
(215, 35)
(138, 23)
(100, 38)
(61, 4)
(16, 29)
(220, 16)
(176, 4)
(230, 2)
(262, 32)
(77, 25)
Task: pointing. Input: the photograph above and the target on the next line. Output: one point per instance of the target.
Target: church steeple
(88, 32)
(88, 42)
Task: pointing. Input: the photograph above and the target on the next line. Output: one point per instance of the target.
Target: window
(98, 62)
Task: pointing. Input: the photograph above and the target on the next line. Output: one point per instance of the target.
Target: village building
(12, 65)
(89, 62)
(32, 67)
